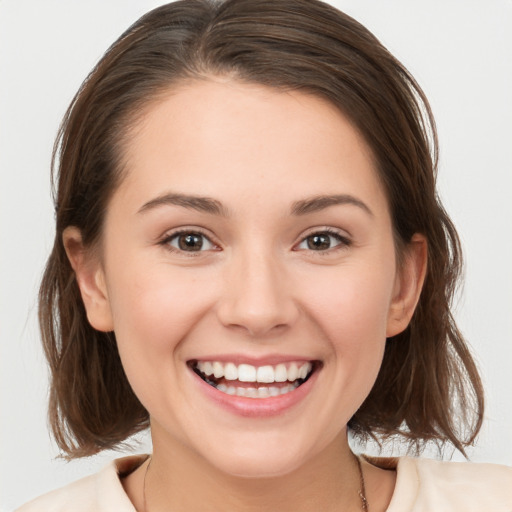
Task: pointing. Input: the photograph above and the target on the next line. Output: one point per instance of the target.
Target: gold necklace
(362, 491)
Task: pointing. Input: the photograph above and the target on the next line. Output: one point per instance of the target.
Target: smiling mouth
(250, 381)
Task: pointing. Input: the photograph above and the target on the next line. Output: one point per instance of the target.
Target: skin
(256, 289)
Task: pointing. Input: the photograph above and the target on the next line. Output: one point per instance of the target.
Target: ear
(408, 285)
(90, 278)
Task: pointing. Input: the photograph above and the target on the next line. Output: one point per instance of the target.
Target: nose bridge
(257, 295)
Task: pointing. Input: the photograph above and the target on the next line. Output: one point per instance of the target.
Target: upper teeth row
(249, 373)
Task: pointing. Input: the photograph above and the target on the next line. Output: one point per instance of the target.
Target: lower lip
(257, 407)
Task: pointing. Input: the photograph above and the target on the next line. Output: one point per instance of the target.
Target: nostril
(257, 321)
(257, 297)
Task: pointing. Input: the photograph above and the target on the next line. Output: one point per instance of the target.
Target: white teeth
(265, 374)
(208, 368)
(218, 370)
(281, 375)
(261, 392)
(303, 371)
(286, 389)
(205, 367)
(249, 373)
(306, 370)
(273, 391)
(251, 392)
(246, 373)
(231, 372)
(293, 372)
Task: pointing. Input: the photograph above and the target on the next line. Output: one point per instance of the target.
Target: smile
(250, 381)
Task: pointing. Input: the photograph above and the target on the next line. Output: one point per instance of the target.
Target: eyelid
(166, 238)
(343, 237)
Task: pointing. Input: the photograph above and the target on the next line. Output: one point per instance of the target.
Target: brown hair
(428, 378)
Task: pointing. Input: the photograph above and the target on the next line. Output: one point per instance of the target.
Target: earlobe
(90, 278)
(408, 285)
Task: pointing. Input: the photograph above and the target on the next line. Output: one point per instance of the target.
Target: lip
(237, 359)
(255, 407)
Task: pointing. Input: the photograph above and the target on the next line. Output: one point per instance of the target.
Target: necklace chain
(144, 484)
(362, 491)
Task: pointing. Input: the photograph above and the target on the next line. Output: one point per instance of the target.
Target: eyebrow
(201, 204)
(214, 207)
(317, 203)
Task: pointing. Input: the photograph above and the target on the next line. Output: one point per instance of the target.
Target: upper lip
(270, 359)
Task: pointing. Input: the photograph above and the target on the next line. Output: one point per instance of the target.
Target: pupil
(191, 241)
(320, 241)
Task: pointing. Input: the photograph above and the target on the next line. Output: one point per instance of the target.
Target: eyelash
(166, 241)
(344, 241)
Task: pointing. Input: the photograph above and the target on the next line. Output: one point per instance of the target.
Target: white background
(459, 51)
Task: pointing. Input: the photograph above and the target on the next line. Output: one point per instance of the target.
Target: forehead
(241, 140)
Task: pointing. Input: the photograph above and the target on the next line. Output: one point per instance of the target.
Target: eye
(188, 241)
(321, 241)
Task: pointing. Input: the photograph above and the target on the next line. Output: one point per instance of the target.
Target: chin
(258, 467)
(261, 457)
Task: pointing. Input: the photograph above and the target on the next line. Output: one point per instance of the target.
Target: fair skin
(261, 282)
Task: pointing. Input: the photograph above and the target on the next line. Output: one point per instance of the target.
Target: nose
(257, 296)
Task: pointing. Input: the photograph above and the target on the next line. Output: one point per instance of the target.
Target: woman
(251, 259)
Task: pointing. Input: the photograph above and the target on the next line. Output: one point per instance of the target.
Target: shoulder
(99, 492)
(425, 485)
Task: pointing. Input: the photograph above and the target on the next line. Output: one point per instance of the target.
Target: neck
(179, 479)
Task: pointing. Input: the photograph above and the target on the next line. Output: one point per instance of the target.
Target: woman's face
(251, 236)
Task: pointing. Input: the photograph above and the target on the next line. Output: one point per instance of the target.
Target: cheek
(153, 311)
(154, 305)
(152, 316)
(351, 308)
(351, 303)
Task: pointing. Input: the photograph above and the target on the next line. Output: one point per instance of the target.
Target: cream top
(422, 485)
